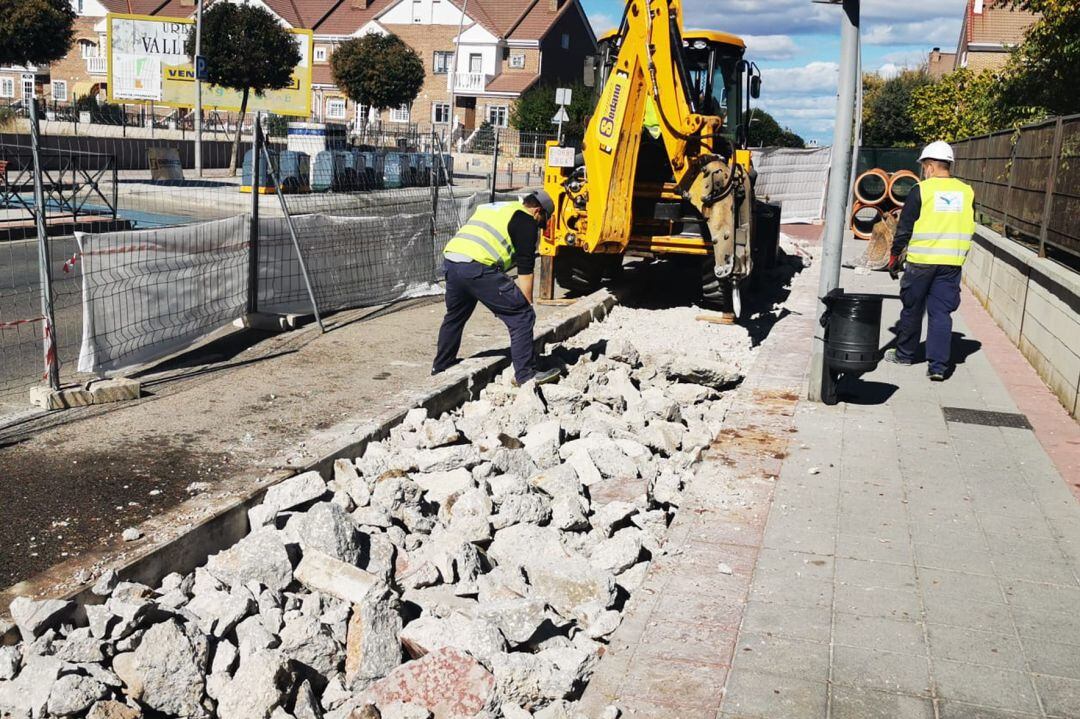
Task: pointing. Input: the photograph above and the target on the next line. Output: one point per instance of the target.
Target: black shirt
(908, 217)
(524, 234)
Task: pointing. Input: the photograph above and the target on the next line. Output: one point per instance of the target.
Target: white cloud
(770, 47)
(814, 78)
(926, 32)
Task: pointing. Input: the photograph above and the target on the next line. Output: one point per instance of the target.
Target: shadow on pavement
(854, 390)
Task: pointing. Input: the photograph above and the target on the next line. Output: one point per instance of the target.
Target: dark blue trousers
(935, 291)
(470, 282)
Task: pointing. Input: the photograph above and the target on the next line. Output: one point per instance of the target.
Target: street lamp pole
(832, 245)
(198, 90)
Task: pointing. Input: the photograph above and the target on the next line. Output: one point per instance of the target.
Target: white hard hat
(937, 151)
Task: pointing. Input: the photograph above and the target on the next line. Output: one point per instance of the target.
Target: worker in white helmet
(935, 230)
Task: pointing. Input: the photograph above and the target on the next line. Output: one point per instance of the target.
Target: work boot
(892, 356)
(935, 376)
(546, 376)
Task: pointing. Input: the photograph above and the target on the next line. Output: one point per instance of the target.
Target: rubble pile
(470, 565)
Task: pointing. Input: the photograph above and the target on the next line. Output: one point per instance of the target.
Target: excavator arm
(647, 81)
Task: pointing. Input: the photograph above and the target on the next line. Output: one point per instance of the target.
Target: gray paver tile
(789, 563)
(877, 602)
(765, 696)
(1045, 597)
(1011, 566)
(976, 587)
(854, 703)
(879, 633)
(1054, 626)
(1060, 697)
(801, 591)
(894, 528)
(988, 686)
(996, 523)
(959, 710)
(878, 549)
(875, 574)
(870, 669)
(976, 647)
(960, 612)
(777, 655)
(1047, 657)
(942, 556)
(812, 539)
(785, 620)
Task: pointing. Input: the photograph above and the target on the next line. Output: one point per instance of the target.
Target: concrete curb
(228, 523)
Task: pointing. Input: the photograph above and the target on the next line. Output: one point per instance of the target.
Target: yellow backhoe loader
(663, 170)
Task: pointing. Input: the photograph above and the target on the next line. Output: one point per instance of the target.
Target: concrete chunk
(34, 617)
(372, 649)
(322, 573)
(295, 491)
(447, 682)
(259, 557)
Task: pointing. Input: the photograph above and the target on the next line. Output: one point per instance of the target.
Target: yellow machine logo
(609, 123)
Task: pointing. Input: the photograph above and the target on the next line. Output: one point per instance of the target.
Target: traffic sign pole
(198, 59)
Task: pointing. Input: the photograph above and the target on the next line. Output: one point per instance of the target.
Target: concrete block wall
(1037, 303)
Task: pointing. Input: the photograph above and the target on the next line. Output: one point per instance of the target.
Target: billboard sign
(147, 63)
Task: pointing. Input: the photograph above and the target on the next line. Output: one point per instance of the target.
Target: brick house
(991, 29)
(506, 48)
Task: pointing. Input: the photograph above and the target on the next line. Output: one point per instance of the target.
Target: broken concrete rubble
(471, 564)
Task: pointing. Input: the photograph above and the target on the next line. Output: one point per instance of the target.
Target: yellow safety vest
(651, 122)
(485, 238)
(942, 234)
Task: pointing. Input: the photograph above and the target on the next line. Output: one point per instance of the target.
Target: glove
(894, 266)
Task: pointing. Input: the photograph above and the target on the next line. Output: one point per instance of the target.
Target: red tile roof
(512, 82)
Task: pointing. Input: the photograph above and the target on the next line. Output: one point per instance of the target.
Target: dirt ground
(72, 480)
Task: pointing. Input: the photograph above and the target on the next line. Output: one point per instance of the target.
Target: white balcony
(468, 82)
(96, 65)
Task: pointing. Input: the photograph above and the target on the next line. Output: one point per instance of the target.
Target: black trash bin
(852, 332)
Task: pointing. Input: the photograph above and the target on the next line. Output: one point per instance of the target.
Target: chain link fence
(1028, 181)
(144, 256)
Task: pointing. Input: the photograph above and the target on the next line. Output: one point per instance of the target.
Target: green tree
(887, 107)
(35, 32)
(245, 49)
(379, 71)
(1041, 78)
(534, 109)
(958, 105)
(765, 131)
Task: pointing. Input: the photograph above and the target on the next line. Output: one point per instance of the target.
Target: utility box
(312, 138)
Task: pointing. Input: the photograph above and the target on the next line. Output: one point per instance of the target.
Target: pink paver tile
(698, 643)
(676, 684)
(1057, 432)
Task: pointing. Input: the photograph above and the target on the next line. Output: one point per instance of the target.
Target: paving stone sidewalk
(880, 561)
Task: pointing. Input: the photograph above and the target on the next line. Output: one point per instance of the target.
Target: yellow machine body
(688, 191)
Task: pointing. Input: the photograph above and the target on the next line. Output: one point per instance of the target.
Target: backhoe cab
(664, 170)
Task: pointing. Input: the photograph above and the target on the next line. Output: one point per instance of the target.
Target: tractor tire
(581, 273)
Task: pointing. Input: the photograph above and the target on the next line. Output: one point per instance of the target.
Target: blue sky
(797, 45)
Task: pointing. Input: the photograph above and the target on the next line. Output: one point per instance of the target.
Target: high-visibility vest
(942, 234)
(651, 121)
(485, 238)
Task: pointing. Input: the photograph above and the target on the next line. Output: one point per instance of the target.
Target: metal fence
(1028, 180)
(140, 255)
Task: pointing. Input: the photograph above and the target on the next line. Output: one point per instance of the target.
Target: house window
(320, 53)
(7, 87)
(476, 63)
(88, 48)
(59, 90)
(517, 61)
(400, 114)
(498, 115)
(565, 41)
(363, 115)
(335, 108)
(417, 11)
(443, 61)
(440, 113)
(28, 89)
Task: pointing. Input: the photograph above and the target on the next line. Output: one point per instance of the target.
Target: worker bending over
(497, 236)
(935, 227)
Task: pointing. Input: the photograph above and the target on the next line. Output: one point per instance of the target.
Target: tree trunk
(239, 129)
